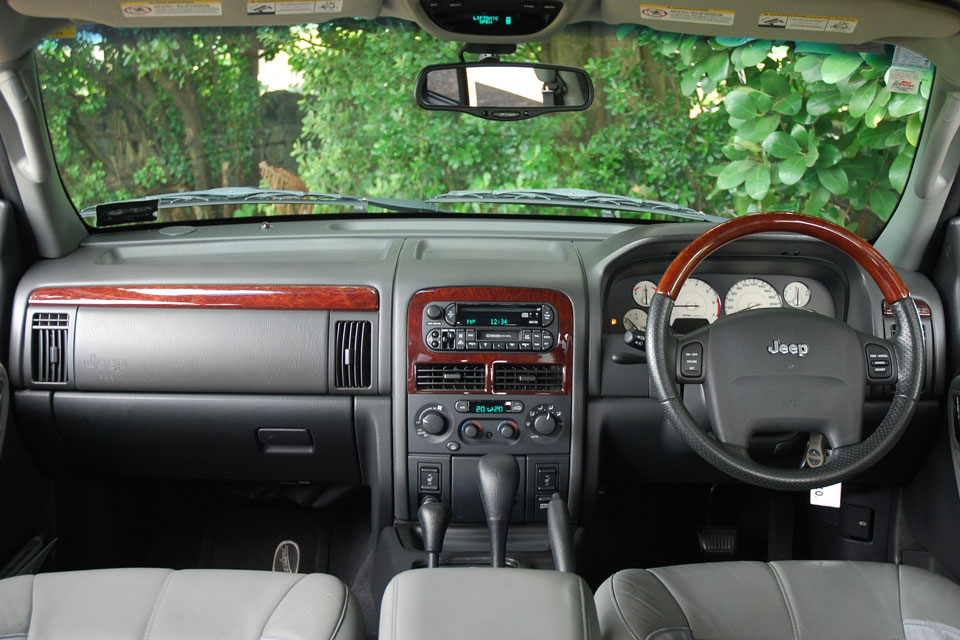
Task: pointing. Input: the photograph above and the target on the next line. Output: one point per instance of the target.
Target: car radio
(489, 326)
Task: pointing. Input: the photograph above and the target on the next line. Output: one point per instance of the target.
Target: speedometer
(751, 293)
(697, 301)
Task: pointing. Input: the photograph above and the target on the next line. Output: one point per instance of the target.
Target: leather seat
(159, 604)
(794, 600)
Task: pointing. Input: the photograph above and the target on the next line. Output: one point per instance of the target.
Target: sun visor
(198, 13)
(851, 22)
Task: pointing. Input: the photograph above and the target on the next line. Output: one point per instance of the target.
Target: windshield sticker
(904, 58)
(903, 80)
(806, 23)
(288, 7)
(161, 9)
(681, 14)
(67, 33)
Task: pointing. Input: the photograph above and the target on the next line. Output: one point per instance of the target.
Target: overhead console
(489, 370)
(497, 18)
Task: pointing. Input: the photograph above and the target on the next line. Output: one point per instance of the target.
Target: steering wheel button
(691, 360)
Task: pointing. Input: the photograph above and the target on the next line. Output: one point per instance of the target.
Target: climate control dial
(431, 420)
(544, 420)
(508, 429)
(471, 429)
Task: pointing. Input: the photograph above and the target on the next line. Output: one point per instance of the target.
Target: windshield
(723, 126)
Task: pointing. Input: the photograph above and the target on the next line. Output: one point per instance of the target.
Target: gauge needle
(687, 306)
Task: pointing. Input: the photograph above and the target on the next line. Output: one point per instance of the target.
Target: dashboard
(393, 353)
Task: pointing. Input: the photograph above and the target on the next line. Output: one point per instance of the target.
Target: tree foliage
(728, 126)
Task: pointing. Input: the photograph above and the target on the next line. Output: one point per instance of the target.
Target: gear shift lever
(434, 518)
(499, 479)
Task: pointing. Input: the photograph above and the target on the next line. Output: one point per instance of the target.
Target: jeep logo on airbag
(797, 349)
(104, 364)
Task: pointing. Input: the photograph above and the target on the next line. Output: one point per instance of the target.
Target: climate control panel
(483, 424)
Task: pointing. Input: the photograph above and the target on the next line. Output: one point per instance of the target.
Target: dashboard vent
(527, 377)
(49, 357)
(353, 354)
(455, 377)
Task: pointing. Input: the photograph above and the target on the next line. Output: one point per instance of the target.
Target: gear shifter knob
(499, 479)
(434, 519)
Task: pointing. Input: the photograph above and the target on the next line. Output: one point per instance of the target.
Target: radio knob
(433, 422)
(544, 424)
(508, 429)
(434, 312)
(471, 429)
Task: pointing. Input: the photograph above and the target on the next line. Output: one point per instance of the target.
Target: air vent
(49, 346)
(353, 354)
(527, 377)
(455, 377)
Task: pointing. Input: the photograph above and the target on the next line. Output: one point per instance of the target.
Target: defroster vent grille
(49, 346)
(527, 377)
(454, 377)
(353, 354)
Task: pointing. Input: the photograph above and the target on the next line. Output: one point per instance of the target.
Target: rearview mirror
(504, 90)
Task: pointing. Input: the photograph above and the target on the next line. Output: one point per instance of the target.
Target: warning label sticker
(807, 23)
(683, 14)
(163, 9)
(287, 7)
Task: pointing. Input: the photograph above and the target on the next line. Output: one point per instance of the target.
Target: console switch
(547, 478)
(429, 478)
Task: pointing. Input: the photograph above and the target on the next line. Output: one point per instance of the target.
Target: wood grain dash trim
(263, 297)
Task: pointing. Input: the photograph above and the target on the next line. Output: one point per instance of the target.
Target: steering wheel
(769, 370)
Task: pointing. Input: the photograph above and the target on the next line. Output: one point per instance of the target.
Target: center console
(489, 371)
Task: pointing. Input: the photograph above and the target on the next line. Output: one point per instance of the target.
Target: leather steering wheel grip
(735, 461)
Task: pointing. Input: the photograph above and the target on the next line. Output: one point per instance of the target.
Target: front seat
(795, 600)
(160, 604)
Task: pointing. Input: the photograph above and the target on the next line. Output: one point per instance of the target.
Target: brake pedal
(717, 541)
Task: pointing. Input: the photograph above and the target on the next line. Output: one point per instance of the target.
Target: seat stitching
(396, 608)
(616, 606)
(343, 612)
(583, 611)
(156, 606)
(277, 605)
(794, 624)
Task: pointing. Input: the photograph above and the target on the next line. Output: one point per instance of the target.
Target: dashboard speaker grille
(527, 377)
(49, 346)
(353, 354)
(455, 377)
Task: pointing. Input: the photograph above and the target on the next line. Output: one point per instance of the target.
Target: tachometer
(643, 292)
(751, 293)
(635, 319)
(698, 301)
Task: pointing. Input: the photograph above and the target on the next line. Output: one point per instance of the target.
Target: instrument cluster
(704, 300)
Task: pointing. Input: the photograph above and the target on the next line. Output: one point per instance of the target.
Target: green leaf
(834, 179)
(762, 101)
(689, 81)
(781, 145)
(838, 66)
(900, 172)
(913, 128)
(862, 99)
(725, 41)
(806, 63)
(904, 104)
(739, 105)
(734, 174)
(829, 155)
(789, 106)
(755, 52)
(883, 202)
(876, 138)
(759, 128)
(758, 181)
(822, 103)
(718, 66)
(816, 202)
(625, 29)
(791, 170)
(774, 84)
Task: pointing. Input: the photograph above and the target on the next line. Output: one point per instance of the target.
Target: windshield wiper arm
(251, 195)
(576, 198)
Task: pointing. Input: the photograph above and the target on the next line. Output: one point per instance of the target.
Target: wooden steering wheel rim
(886, 277)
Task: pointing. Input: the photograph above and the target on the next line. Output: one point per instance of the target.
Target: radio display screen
(469, 315)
